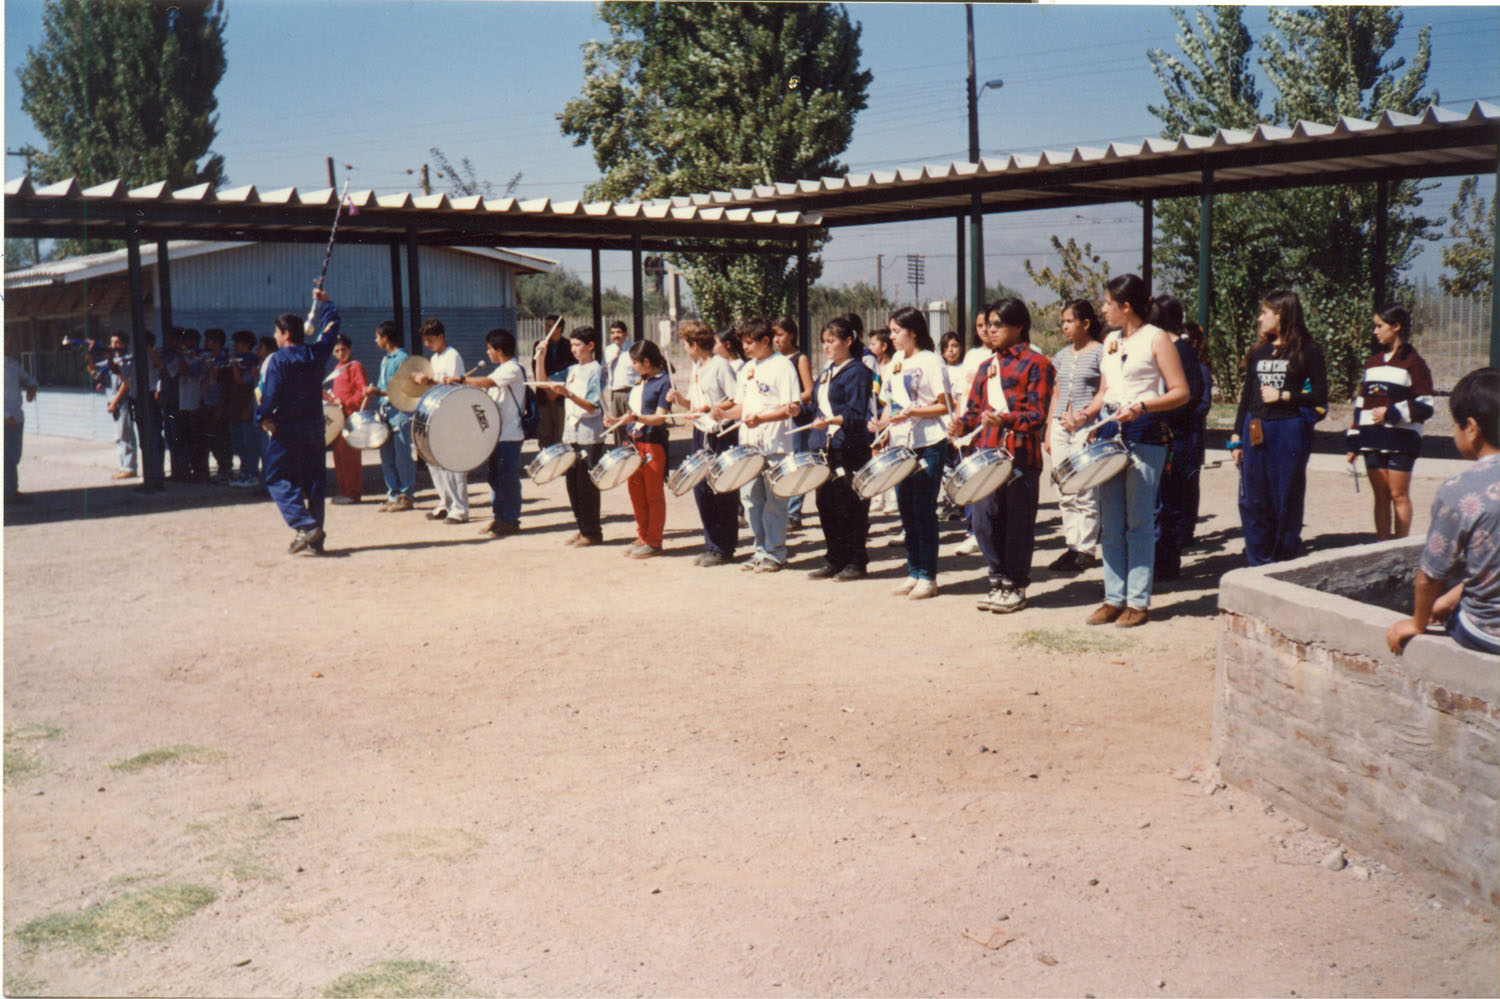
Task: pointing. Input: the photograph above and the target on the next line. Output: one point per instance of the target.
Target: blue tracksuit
(292, 398)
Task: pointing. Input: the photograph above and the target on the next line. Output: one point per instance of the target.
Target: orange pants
(648, 494)
(348, 467)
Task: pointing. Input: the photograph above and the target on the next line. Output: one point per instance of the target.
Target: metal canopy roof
(1439, 142)
(110, 211)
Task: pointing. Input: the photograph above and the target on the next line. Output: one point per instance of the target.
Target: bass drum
(798, 473)
(333, 422)
(553, 461)
(1095, 465)
(456, 427)
(978, 475)
(884, 471)
(617, 465)
(366, 430)
(693, 470)
(735, 467)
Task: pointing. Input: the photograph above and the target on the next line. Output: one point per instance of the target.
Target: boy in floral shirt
(1458, 575)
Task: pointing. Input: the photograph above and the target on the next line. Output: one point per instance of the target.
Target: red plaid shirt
(1027, 378)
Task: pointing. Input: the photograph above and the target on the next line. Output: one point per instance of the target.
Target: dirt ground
(550, 771)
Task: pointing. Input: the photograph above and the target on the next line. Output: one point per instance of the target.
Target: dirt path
(561, 772)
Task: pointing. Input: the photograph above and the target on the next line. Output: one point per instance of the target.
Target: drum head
(693, 470)
(456, 427)
(615, 467)
(366, 431)
(333, 422)
(883, 472)
(554, 460)
(798, 474)
(977, 476)
(1095, 473)
(734, 468)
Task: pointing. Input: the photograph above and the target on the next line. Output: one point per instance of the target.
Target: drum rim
(741, 452)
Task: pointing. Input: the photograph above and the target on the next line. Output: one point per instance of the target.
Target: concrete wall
(1398, 756)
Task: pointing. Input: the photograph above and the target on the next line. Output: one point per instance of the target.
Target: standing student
(727, 345)
(619, 374)
(1285, 381)
(213, 421)
(1077, 367)
(1394, 400)
(554, 355)
(1198, 434)
(766, 394)
(784, 338)
(883, 355)
(397, 466)
(974, 358)
(237, 382)
(917, 401)
(117, 366)
(711, 384)
(1010, 398)
(842, 430)
(1180, 472)
(581, 394)
(506, 384)
(646, 426)
(18, 383)
(452, 484)
(291, 413)
(1140, 378)
(347, 391)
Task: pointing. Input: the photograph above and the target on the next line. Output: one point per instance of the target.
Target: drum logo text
(481, 417)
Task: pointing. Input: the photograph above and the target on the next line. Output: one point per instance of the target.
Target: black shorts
(1388, 461)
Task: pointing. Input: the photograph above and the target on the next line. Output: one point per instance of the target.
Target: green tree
(563, 293)
(1080, 273)
(19, 253)
(685, 98)
(1470, 262)
(1324, 62)
(464, 179)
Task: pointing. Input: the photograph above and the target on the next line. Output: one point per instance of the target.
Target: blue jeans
(1127, 527)
(242, 441)
(295, 473)
(1273, 485)
(396, 463)
(916, 500)
(766, 513)
(505, 480)
(125, 436)
(13, 437)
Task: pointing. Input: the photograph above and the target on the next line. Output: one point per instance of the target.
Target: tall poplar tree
(126, 89)
(692, 97)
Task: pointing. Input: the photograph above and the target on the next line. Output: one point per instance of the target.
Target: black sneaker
(825, 572)
(1066, 562)
(847, 573)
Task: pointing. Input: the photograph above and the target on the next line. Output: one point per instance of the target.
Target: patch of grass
(18, 984)
(146, 914)
(237, 836)
(31, 732)
(167, 754)
(439, 844)
(1072, 642)
(399, 980)
(21, 765)
(242, 864)
(294, 914)
(126, 880)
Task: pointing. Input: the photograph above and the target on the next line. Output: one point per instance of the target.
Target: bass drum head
(693, 470)
(333, 422)
(884, 471)
(615, 467)
(366, 431)
(456, 427)
(798, 474)
(977, 476)
(735, 467)
(554, 460)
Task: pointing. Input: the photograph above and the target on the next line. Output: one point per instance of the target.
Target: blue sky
(376, 83)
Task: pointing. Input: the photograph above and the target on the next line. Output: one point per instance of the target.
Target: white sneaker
(1008, 600)
(924, 589)
(904, 587)
(969, 547)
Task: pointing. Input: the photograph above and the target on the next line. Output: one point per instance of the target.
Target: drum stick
(800, 429)
(1354, 472)
(475, 368)
(966, 438)
(312, 313)
(726, 428)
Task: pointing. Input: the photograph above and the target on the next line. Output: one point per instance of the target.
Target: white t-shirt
(917, 380)
(622, 373)
(762, 386)
(445, 363)
(973, 358)
(713, 382)
(1129, 366)
(508, 392)
(579, 425)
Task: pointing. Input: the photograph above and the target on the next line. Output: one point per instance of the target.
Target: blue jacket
(293, 388)
(848, 396)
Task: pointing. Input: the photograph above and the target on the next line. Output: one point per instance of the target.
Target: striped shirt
(1403, 385)
(1077, 376)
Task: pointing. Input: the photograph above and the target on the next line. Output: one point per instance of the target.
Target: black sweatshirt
(1291, 373)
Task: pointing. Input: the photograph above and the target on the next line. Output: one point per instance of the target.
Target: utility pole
(976, 207)
(879, 281)
(426, 183)
(333, 181)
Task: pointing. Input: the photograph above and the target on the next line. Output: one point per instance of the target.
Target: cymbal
(402, 389)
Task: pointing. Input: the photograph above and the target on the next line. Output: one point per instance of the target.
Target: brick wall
(1399, 757)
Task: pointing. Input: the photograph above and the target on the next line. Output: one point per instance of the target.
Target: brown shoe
(1133, 617)
(1104, 614)
(402, 502)
(123, 473)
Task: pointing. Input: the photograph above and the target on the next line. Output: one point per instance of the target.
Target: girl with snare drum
(1077, 366)
(712, 384)
(918, 399)
(842, 428)
(646, 422)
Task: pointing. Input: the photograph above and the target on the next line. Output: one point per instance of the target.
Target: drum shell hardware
(693, 470)
(617, 465)
(884, 471)
(1089, 468)
(553, 461)
(978, 475)
(798, 473)
(735, 467)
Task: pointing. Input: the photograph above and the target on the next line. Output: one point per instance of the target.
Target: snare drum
(456, 427)
(617, 465)
(883, 471)
(798, 473)
(1094, 465)
(978, 475)
(333, 422)
(693, 470)
(735, 467)
(366, 430)
(553, 461)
